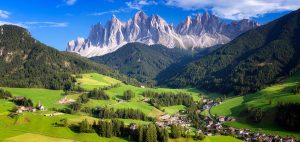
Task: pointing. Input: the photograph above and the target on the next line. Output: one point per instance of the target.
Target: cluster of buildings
(247, 135)
(214, 126)
(208, 103)
(177, 119)
(21, 109)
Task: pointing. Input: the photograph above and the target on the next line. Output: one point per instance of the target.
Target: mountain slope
(201, 31)
(25, 62)
(253, 60)
(141, 61)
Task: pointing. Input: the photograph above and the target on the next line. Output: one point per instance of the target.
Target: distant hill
(26, 62)
(143, 62)
(250, 62)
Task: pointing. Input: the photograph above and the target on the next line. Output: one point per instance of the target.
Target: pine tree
(109, 131)
(175, 131)
(165, 135)
(85, 127)
(141, 133)
(151, 133)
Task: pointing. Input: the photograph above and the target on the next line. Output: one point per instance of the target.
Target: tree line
(168, 99)
(133, 132)
(117, 128)
(126, 113)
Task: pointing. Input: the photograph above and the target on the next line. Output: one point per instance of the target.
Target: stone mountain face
(199, 32)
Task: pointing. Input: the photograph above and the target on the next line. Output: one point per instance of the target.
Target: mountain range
(201, 31)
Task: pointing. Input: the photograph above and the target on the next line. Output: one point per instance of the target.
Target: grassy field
(208, 139)
(94, 80)
(221, 139)
(49, 98)
(30, 123)
(35, 138)
(5, 107)
(266, 99)
(90, 81)
(173, 109)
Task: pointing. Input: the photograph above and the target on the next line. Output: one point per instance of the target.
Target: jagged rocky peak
(200, 24)
(139, 17)
(201, 30)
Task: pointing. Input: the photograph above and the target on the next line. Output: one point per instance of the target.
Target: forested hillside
(26, 62)
(141, 61)
(252, 61)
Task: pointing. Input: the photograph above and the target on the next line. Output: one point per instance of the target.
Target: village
(214, 126)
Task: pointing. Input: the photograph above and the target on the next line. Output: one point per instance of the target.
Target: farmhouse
(21, 109)
(133, 126)
(146, 99)
(198, 131)
(19, 98)
(230, 119)
(40, 106)
(221, 119)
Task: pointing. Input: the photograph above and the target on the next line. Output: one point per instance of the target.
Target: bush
(4, 94)
(98, 94)
(128, 95)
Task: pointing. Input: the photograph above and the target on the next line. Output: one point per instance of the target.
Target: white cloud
(108, 12)
(4, 14)
(70, 2)
(139, 4)
(46, 24)
(131, 5)
(11, 23)
(237, 9)
(35, 24)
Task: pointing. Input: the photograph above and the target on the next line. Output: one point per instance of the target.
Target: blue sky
(55, 22)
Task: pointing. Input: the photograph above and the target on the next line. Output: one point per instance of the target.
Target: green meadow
(32, 124)
(173, 109)
(266, 99)
(117, 94)
(208, 139)
(221, 139)
(90, 81)
(49, 98)
(6, 106)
